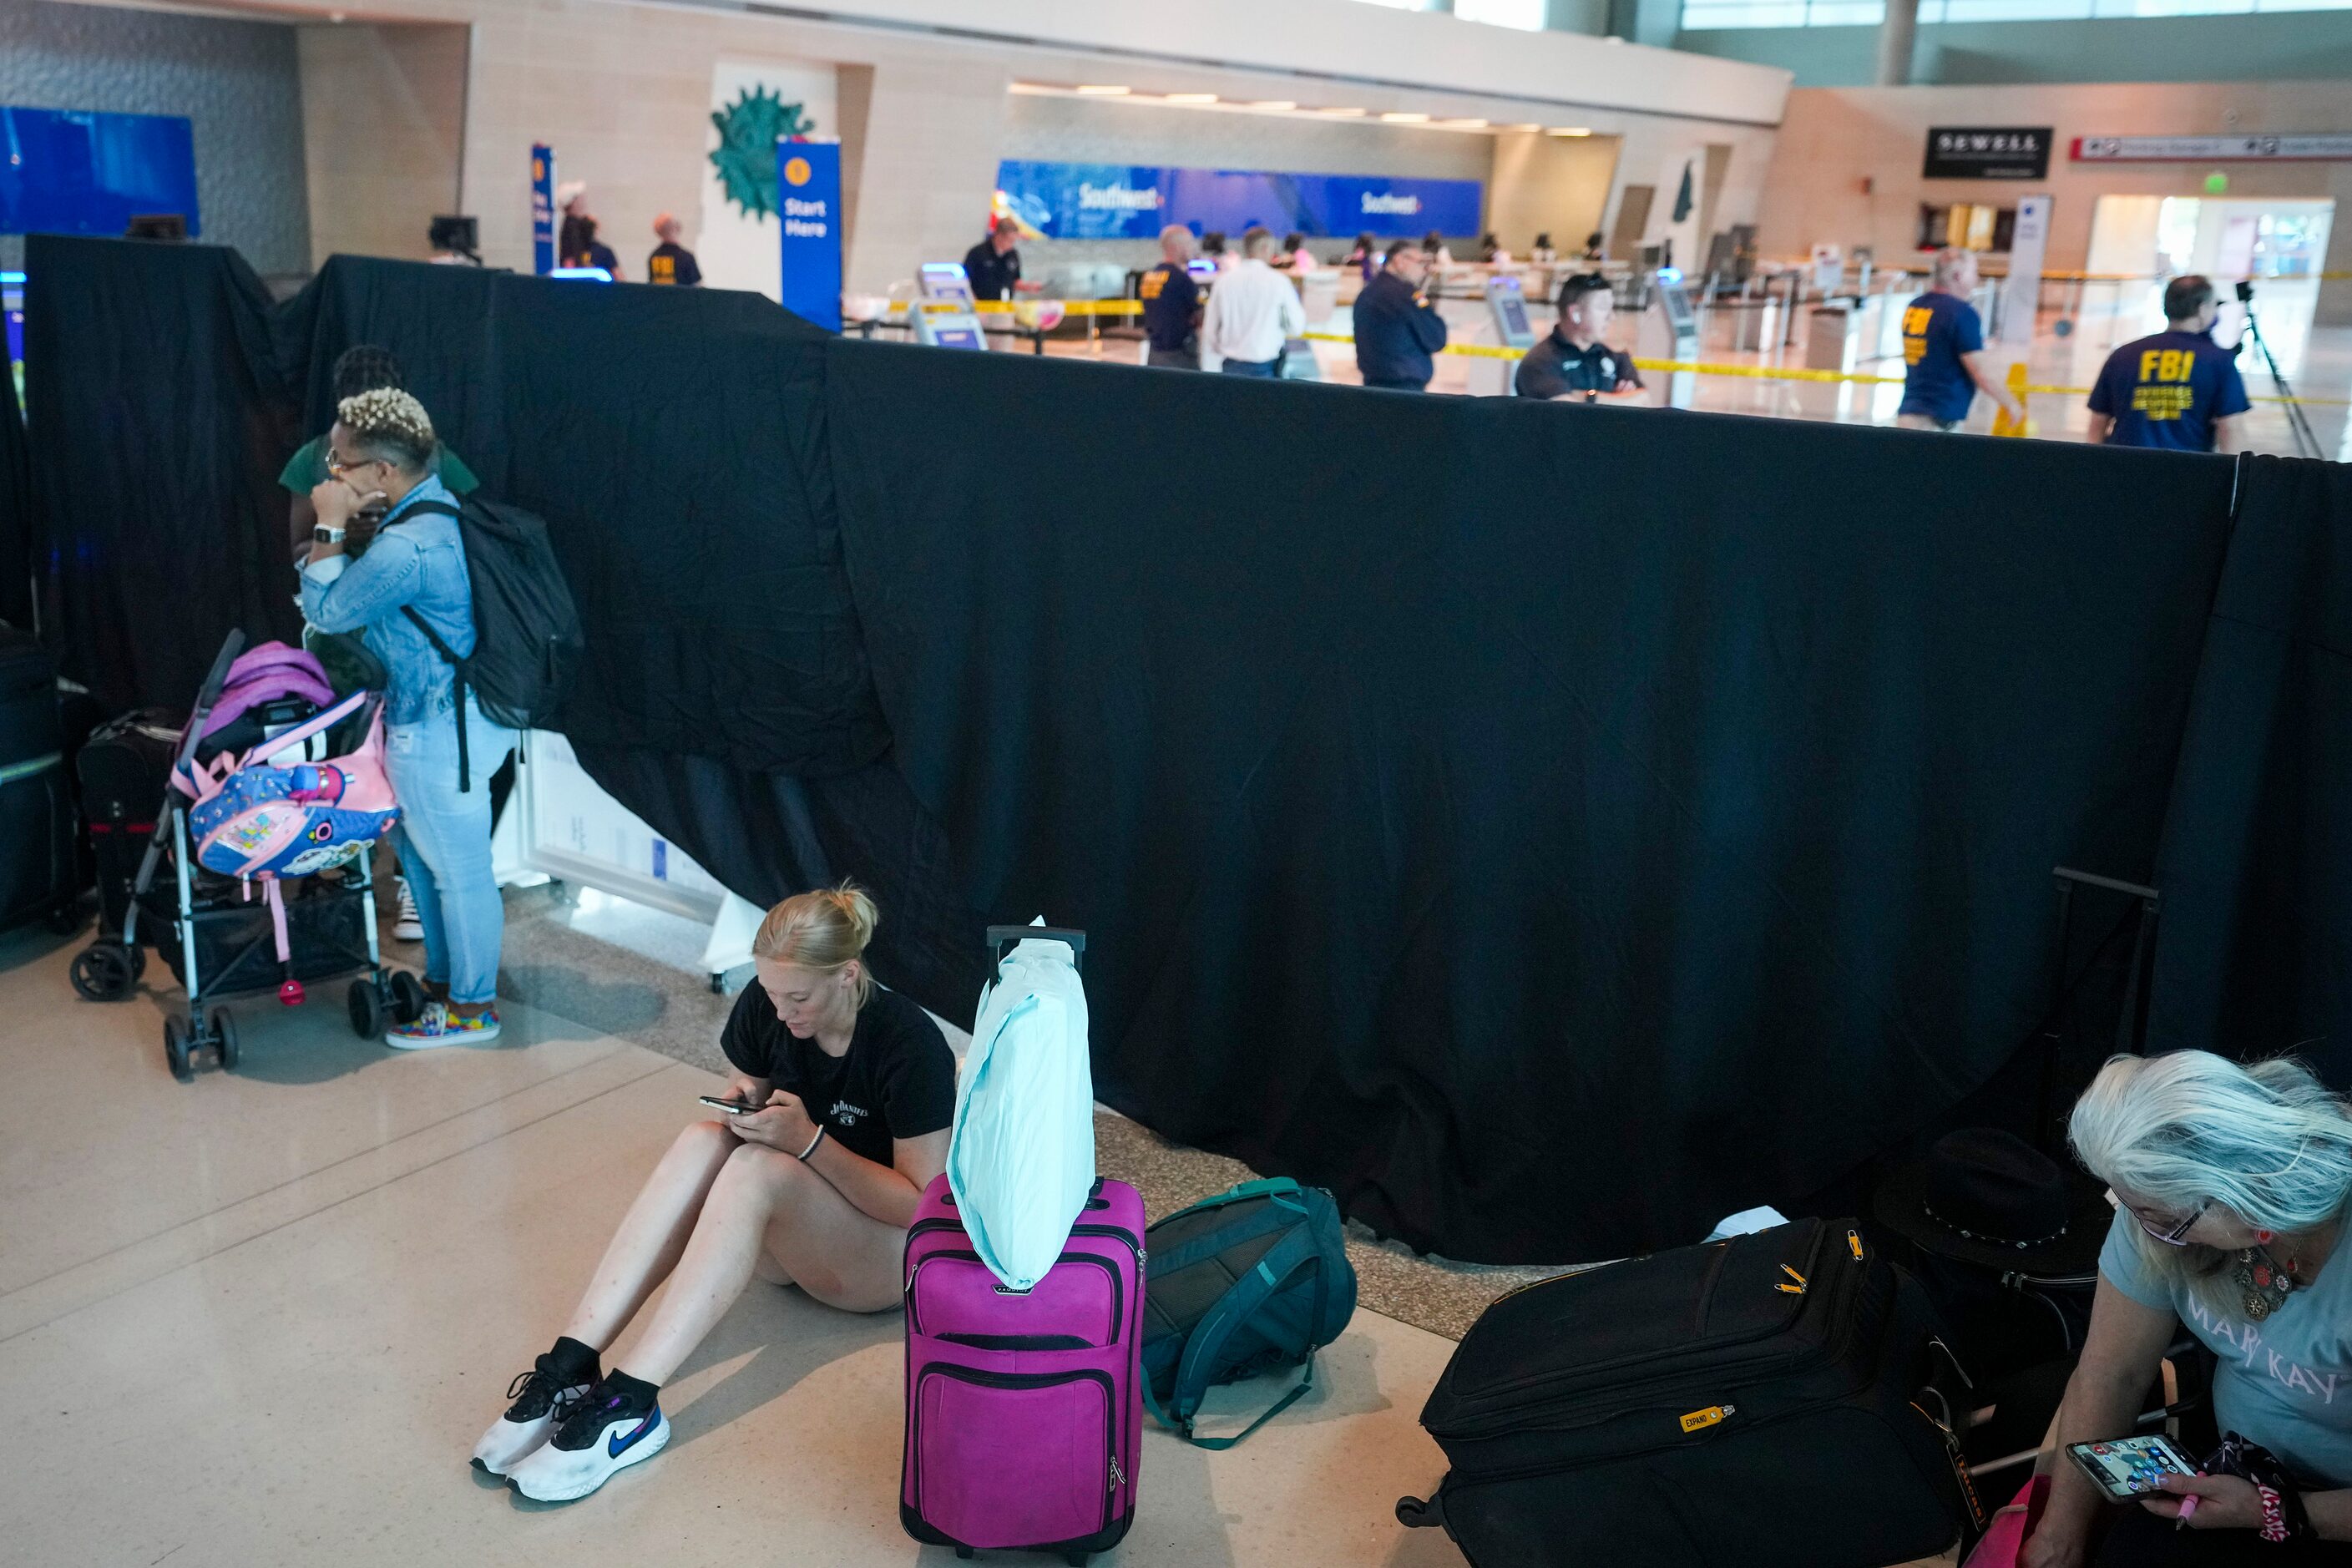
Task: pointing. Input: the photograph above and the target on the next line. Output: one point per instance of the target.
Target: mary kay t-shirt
(2285, 1382)
(897, 1079)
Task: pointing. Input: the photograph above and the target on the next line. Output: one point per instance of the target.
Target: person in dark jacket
(1396, 329)
(993, 265)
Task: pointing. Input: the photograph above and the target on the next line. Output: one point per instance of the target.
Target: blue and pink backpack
(258, 822)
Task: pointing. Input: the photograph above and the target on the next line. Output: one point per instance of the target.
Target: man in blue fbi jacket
(2179, 390)
(1943, 351)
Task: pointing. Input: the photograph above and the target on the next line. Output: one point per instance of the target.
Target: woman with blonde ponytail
(2231, 1184)
(846, 1092)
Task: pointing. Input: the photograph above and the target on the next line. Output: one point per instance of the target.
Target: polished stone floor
(261, 1319)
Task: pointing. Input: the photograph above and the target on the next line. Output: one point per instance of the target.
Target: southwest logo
(796, 170)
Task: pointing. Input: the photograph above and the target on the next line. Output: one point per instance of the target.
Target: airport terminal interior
(1668, 676)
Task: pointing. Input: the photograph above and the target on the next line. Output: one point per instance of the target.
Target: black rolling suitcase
(39, 866)
(1757, 1401)
(124, 767)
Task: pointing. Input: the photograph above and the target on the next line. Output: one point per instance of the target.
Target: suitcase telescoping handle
(1001, 937)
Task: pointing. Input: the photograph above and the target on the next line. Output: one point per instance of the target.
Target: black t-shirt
(1170, 300)
(993, 276)
(1555, 366)
(897, 1079)
(673, 263)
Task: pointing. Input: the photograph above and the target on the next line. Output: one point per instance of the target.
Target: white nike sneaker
(407, 927)
(541, 1400)
(597, 1438)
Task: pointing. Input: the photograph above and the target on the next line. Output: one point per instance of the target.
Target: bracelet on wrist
(812, 1143)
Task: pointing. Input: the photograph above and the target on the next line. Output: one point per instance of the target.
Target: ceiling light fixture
(1528, 125)
(1340, 114)
(1570, 130)
(1464, 124)
(1276, 103)
(1403, 117)
(1104, 91)
(1192, 98)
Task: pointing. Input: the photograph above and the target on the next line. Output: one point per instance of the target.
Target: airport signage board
(1130, 201)
(1988, 153)
(2210, 149)
(542, 208)
(808, 210)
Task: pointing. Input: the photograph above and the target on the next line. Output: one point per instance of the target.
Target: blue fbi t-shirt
(2167, 391)
(1938, 329)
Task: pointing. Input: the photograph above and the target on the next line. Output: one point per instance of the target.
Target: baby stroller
(253, 797)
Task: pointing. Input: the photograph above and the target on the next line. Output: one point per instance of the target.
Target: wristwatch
(326, 535)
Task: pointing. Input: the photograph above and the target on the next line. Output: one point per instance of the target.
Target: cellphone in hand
(2130, 1467)
(732, 1107)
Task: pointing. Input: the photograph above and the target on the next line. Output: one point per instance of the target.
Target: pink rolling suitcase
(1024, 1410)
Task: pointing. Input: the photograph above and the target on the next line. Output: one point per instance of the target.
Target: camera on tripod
(2298, 423)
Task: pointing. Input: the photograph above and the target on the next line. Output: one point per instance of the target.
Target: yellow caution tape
(1795, 373)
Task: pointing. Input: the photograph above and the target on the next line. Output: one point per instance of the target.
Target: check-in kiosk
(1506, 306)
(1669, 330)
(944, 308)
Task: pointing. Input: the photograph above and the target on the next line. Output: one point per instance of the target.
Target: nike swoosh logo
(616, 1447)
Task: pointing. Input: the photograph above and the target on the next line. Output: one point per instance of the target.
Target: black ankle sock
(638, 1393)
(579, 1362)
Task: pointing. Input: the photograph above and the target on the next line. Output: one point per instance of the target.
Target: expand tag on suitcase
(1023, 1408)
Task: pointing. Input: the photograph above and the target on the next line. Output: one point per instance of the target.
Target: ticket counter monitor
(1507, 308)
(1669, 330)
(943, 311)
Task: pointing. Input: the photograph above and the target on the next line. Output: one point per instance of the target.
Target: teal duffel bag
(1241, 1284)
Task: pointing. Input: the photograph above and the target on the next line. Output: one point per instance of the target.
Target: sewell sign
(1988, 153)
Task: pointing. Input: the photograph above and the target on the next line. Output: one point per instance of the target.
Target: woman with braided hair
(380, 457)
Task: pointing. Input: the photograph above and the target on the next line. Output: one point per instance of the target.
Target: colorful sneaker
(540, 1402)
(438, 1025)
(407, 927)
(600, 1436)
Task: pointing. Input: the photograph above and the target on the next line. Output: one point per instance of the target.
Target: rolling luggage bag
(1024, 1407)
(39, 866)
(125, 766)
(1755, 1401)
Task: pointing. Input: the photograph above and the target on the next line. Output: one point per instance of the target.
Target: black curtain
(2256, 950)
(1552, 828)
(16, 508)
(160, 419)
(1548, 826)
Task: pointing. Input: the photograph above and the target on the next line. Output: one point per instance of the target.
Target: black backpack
(1253, 1279)
(527, 640)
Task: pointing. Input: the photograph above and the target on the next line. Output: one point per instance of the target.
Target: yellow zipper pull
(1854, 1239)
(1799, 1287)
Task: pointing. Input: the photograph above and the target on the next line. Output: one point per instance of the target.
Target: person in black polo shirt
(993, 265)
(1396, 330)
(1172, 304)
(1573, 361)
(2179, 390)
(671, 265)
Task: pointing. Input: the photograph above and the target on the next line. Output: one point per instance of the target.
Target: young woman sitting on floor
(816, 1189)
(2233, 1184)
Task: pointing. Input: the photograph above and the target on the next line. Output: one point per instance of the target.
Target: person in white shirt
(1253, 313)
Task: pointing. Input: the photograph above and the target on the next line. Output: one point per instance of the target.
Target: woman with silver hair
(2230, 1185)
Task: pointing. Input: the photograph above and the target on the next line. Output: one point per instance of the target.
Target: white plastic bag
(1021, 1160)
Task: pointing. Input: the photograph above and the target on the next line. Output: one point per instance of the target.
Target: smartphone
(2130, 1467)
(732, 1107)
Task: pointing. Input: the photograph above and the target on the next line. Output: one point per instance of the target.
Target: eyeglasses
(338, 467)
(2179, 1235)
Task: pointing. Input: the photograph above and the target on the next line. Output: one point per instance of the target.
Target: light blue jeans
(444, 844)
